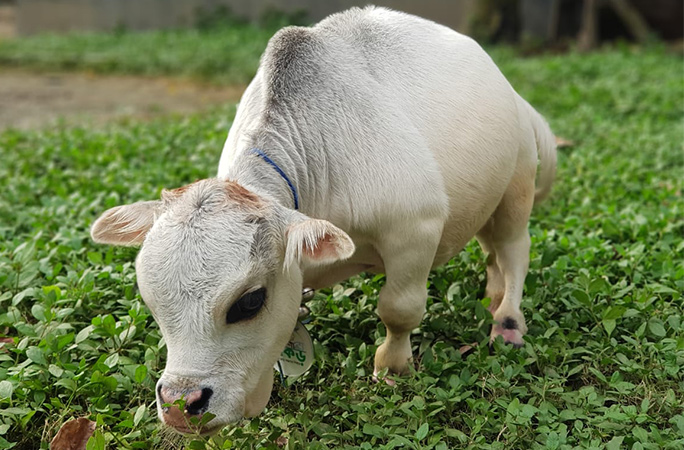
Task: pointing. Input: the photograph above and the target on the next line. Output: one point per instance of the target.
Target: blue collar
(263, 156)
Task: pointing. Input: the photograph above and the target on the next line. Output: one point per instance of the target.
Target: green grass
(227, 54)
(602, 366)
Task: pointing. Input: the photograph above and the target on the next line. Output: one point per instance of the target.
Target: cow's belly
(472, 201)
(475, 146)
(458, 232)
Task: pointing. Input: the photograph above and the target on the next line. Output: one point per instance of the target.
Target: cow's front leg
(401, 310)
(401, 304)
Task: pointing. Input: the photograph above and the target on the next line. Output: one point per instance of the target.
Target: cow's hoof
(509, 330)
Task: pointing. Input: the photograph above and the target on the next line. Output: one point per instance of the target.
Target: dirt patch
(31, 100)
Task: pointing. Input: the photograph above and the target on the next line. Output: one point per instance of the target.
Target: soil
(38, 100)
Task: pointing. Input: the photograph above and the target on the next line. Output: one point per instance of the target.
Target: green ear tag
(298, 355)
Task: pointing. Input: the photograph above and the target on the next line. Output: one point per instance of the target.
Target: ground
(36, 100)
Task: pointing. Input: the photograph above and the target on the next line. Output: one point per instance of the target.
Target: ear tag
(298, 355)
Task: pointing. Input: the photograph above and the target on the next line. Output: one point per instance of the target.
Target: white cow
(374, 141)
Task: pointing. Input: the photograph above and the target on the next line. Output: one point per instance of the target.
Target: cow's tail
(546, 151)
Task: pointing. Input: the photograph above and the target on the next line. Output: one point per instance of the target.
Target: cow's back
(454, 97)
(404, 116)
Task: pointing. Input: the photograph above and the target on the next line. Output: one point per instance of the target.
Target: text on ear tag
(298, 355)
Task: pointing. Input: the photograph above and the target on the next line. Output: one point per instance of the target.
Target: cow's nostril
(198, 406)
(196, 402)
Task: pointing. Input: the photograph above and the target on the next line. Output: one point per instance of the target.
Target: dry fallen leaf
(467, 348)
(73, 435)
(6, 341)
(563, 143)
(281, 441)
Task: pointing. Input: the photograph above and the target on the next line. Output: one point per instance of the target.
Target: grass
(228, 54)
(602, 366)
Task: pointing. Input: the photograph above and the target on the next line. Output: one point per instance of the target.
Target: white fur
(403, 141)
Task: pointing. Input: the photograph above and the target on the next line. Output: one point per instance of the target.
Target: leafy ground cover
(602, 366)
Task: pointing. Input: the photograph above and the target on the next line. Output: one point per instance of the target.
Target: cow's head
(221, 270)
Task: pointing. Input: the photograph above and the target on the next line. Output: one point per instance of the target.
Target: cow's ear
(316, 242)
(126, 225)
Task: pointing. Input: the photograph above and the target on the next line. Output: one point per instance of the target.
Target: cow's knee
(401, 312)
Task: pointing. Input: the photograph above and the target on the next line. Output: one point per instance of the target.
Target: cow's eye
(247, 306)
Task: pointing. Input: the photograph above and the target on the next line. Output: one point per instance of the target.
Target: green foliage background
(219, 54)
(603, 363)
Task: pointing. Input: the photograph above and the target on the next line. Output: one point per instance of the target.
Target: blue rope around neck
(263, 156)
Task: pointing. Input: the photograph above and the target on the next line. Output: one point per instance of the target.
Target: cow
(374, 141)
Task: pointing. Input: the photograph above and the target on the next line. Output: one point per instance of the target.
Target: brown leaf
(281, 441)
(7, 341)
(564, 143)
(465, 349)
(73, 435)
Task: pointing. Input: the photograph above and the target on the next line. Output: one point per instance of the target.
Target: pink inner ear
(325, 249)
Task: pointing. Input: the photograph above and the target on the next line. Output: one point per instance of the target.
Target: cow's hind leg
(506, 238)
(407, 257)
(495, 279)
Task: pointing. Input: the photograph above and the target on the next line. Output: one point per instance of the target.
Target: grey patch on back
(291, 63)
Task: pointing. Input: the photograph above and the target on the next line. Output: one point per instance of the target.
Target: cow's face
(221, 270)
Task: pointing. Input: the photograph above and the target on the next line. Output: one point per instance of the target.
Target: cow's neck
(273, 171)
(252, 168)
